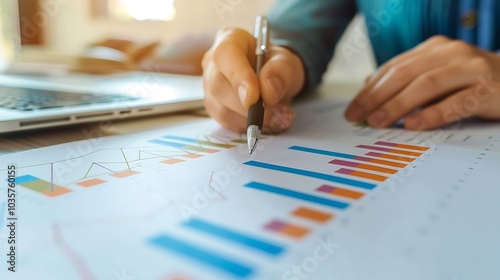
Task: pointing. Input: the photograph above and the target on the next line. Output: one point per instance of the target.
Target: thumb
(282, 77)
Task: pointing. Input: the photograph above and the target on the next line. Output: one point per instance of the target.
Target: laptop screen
(10, 39)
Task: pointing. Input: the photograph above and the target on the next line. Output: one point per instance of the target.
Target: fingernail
(377, 118)
(281, 121)
(354, 114)
(242, 92)
(413, 122)
(276, 86)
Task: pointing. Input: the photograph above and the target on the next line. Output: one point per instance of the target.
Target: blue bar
(234, 236)
(25, 179)
(178, 138)
(313, 174)
(217, 261)
(322, 152)
(297, 195)
(167, 143)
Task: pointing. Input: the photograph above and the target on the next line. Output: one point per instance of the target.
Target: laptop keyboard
(28, 99)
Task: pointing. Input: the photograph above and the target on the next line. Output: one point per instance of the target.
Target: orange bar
(311, 214)
(57, 191)
(347, 193)
(192, 155)
(402, 146)
(294, 231)
(124, 174)
(340, 192)
(390, 163)
(363, 166)
(393, 157)
(412, 147)
(408, 153)
(369, 176)
(361, 174)
(172, 161)
(91, 182)
(210, 151)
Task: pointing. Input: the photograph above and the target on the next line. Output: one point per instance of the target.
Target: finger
(224, 115)
(278, 118)
(281, 77)
(394, 76)
(233, 58)
(422, 48)
(424, 89)
(221, 90)
(458, 106)
(225, 107)
(394, 81)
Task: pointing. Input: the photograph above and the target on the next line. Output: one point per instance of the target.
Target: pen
(256, 111)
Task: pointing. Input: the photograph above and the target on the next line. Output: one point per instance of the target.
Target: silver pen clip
(262, 35)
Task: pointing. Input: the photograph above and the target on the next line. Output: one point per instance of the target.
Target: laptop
(33, 101)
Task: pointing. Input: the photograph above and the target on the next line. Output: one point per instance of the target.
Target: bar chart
(191, 148)
(120, 165)
(352, 177)
(362, 174)
(41, 186)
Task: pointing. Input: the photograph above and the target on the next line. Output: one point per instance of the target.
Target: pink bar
(374, 148)
(394, 151)
(355, 158)
(383, 143)
(400, 158)
(326, 189)
(373, 154)
(403, 146)
(344, 163)
(275, 225)
(344, 171)
(360, 158)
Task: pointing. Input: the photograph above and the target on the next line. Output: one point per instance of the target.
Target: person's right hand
(231, 85)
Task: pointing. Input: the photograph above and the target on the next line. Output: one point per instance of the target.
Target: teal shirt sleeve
(311, 28)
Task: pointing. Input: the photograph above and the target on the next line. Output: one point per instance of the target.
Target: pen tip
(252, 145)
(253, 133)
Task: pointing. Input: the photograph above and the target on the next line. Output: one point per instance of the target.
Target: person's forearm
(311, 28)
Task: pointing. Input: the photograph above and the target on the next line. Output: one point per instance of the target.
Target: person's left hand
(438, 82)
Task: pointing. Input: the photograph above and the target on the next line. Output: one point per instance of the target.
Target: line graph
(119, 162)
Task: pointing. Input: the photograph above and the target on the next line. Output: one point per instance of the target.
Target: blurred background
(102, 35)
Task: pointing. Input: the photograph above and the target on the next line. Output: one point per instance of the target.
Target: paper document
(325, 200)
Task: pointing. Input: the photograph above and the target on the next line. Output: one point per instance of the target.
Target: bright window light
(143, 9)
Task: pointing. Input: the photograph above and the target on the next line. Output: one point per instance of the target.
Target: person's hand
(231, 85)
(438, 82)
